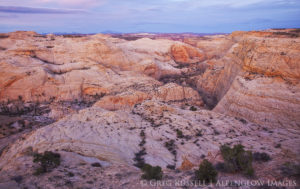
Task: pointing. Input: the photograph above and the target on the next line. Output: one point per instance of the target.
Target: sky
(131, 16)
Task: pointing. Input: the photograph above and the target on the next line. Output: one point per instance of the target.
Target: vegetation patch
(152, 173)
(47, 161)
(236, 159)
(96, 164)
(139, 159)
(193, 108)
(199, 133)
(206, 172)
(179, 133)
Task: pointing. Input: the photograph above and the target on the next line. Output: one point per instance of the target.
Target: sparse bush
(142, 133)
(257, 156)
(206, 172)
(199, 133)
(242, 120)
(96, 164)
(47, 161)
(237, 159)
(193, 108)
(151, 172)
(172, 167)
(140, 161)
(179, 133)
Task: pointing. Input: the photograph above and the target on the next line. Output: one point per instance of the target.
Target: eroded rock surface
(168, 100)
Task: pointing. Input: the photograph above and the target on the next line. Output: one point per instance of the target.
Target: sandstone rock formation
(168, 100)
(170, 93)
(114, 136)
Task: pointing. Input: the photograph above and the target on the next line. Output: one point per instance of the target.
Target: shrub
(243, 120)
(96, 164)
(257, 156)
(140, 161)
(172, 167)
(237, 159)
(206, 172)
(47, 161)
(179, 133)
(151, 172)
(142, 133)
(193, 108)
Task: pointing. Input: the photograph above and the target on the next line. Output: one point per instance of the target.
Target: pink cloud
(54, 3)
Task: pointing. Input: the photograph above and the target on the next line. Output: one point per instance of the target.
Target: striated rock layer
(257, 78)
(115, 136)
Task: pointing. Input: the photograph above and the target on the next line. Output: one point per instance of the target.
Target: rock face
(186, 54)
(170, 93)
(167, 100)
(257, 78)
(114, 136)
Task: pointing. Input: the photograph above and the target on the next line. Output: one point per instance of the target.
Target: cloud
(54, 3)
(32, 10)
(141, 15)
(73, 3)
(229, 3)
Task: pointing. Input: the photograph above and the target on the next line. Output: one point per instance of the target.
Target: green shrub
(47, 162)
(193, 108)
(151, 172)
(206, 172)
(179, 133)
(237, 159)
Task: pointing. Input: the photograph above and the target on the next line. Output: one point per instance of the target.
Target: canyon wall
(254, 75)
